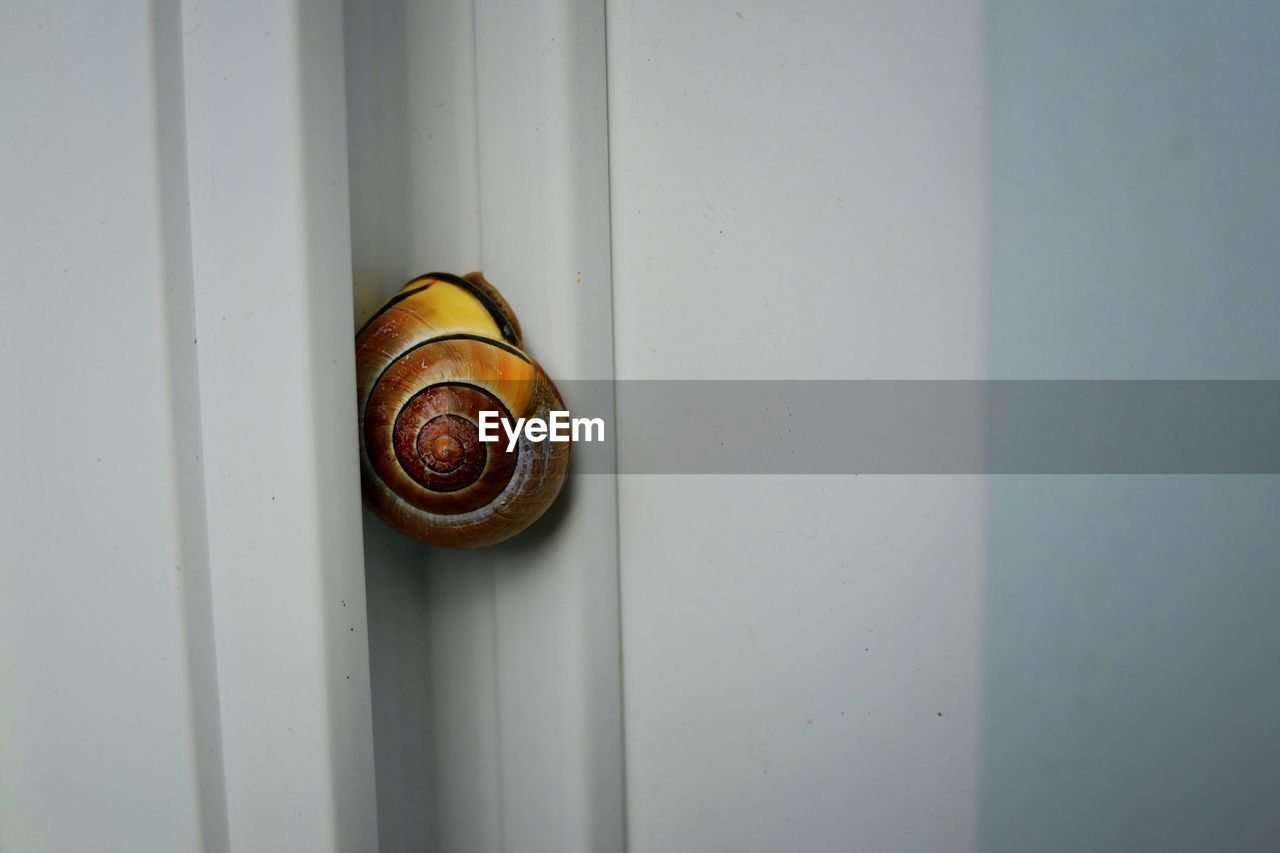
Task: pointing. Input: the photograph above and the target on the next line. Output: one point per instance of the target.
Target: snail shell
(441, 351)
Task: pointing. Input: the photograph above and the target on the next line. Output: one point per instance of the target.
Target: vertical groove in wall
(189, 497)
(329, 331)
(477, 140)
(491, 570)
(613, 372)
(543, 168)
(475, 116)
(414, 189)
(495, 635)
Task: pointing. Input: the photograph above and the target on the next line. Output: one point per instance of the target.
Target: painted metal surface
(840, 190)
(271, 260)
(478, 141)
(889, 190)
(798, 193)
(183, 659)
(1130, 693)
(101, 576)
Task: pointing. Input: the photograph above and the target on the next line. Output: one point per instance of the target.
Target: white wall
(837, 190)
(183, 662)
(797, 192)
(270, 235)
(888, 190)
(104, 649)
(1130, 692)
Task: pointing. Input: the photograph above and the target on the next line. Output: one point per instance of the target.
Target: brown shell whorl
(428, 363)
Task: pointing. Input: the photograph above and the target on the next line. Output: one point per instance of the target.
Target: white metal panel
(803, 181)
(1131, 693)
(271, 261)
(129, 599)
(478, 140)
(798, 193)
(108, 707)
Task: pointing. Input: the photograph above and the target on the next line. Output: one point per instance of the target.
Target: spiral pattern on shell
(440, 352)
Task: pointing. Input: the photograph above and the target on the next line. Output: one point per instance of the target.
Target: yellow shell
(442, 350)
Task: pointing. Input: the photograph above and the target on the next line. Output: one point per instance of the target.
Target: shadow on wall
(1131, 690)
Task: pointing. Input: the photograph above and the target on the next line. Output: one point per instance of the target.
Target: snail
(436, 355)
